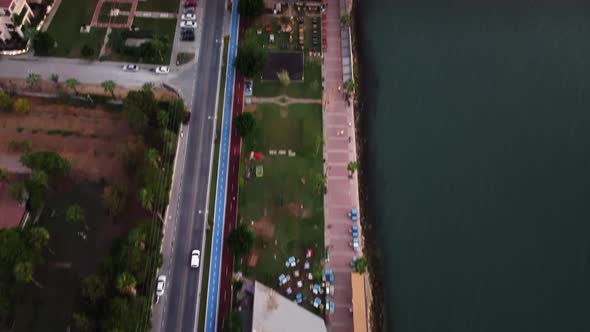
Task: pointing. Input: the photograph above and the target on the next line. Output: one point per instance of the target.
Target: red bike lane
(231, 207)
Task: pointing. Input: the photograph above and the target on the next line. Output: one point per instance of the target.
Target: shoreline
(371, 252)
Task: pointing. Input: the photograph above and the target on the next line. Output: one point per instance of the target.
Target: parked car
(189, 16)
(187, 117)
(189, 10)
(162, 70)
(131, 68)
(190, 4)
(185, 23)
(195, 258)
(161, 285)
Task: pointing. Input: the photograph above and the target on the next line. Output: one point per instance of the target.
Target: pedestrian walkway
(342, 191)
(284, 100)
(54, 8)
(96, 15)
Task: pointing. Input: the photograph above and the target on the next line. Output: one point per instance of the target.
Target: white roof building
(273, 312)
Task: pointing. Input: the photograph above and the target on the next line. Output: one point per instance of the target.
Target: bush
(251, 8)
(5, 102)
(43, 43)
(21, 105)
(87, 51)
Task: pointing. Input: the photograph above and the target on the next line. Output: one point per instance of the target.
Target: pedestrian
(349, 139)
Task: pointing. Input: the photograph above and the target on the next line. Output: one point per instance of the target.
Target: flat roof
(359, 303)
(274, 312)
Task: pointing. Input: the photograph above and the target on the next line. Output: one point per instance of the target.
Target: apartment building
(9, 11)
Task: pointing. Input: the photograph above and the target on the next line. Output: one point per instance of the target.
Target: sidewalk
(339, 149)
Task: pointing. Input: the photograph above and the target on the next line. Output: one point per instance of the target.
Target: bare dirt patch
(92, 139)
(298, 210)
(264, 228)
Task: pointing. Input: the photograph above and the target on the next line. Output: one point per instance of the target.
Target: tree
(39, 179)
(43, 43)
(360, 265)
(147, 86)
(113, 199)
(5, 102)
(352, 166)
(87, 51)
(72, 83)
(109, 86)
(21, 105)
(349, 86)
(140, 107)
(145, 197)
(345, 20)
(50, 162)
(55, 79)
(3, 174)
(18, 191)
(251, 8)
(23, 272)
(251, 57)
(126, 284)
(82, 323)
(284, 78)
(241, 240)
(17, 20)
(33, 79)
(137, 238)
(75, 214)
(93, 288)
(37, 238)
(245, 124)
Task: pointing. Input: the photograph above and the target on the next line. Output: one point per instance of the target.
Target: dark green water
(478, 129)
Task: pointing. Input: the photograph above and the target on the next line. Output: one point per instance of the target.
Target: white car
(162, 70)
(131, 68)
(195, 258)
(189, 16)
(188, 24)
(161, 285)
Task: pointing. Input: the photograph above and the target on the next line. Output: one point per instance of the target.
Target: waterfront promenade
(342, 194)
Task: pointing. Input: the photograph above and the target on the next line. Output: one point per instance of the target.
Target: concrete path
(49, 18)
(342, 193)
(284, 100)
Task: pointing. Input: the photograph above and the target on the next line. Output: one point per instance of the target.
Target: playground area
(281, 190)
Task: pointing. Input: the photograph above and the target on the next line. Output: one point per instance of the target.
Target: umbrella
(331, 307)
(316, 289)
(309, 276)
(317, 302)
(306, 266)
(299, 283)
(298, 297)
(289, 291)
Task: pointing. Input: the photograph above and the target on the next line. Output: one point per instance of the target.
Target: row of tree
(118, 297)
(150, 152)
(20, 105)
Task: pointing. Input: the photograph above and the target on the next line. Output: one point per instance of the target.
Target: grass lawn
(50, 308)
(164, 27)
(275, 199)
(311, 87)
(65, 28)
(159, 6)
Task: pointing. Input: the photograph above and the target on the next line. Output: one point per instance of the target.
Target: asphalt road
(91, 72)
(185, 229)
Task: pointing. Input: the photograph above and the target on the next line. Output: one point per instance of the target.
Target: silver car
(161, 286)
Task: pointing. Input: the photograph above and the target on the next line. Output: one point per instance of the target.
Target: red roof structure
(5, 3)
(11, 211)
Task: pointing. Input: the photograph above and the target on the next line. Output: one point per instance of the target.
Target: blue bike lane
(222, 176)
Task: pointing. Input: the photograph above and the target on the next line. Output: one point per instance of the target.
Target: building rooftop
(274, 312)
(11, 211)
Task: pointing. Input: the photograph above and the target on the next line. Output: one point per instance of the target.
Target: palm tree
(360, 265)
(72, 83)
(349, 86)
(137, 238)
(33, 79)
(23, 272)
(153, 157)
(109, 86)
(126, 284)
(352, 167)
(148, 86)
